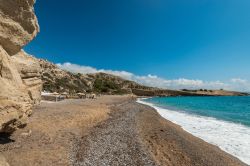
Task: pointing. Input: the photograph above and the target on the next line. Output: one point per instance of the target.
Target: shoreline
(114, 130)
(209, 129)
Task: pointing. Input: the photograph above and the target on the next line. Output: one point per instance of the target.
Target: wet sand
(112, 130)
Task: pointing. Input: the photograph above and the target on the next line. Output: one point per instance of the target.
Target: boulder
(20, 83)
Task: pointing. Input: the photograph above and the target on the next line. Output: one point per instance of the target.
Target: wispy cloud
(237, 84)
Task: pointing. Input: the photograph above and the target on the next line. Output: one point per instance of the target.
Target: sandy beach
(111, 130)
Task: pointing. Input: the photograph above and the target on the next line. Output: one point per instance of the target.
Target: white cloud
(87, 69)
(77, 68)
(155, 81)
(240, 84)
(238, 80)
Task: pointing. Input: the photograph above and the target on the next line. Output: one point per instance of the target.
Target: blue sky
(197, 39)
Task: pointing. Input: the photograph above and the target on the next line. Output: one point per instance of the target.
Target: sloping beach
(111, 130)
(221, 121)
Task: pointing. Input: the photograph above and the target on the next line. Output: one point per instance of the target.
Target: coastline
(222, 134)
(114, 130)
(171, 145)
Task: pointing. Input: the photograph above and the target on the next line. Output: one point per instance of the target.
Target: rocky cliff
(20, 83)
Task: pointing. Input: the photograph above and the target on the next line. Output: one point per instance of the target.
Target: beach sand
(111, 130)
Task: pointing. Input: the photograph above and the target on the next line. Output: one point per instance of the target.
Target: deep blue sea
(222, 121)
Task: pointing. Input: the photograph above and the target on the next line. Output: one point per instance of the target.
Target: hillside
(58, 80)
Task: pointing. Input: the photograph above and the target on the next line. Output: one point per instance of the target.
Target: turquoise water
(222, 121)
(232, 109)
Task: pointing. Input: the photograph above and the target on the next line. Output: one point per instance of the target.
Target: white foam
(230, 137)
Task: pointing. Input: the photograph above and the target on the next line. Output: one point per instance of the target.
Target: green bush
(105, 86)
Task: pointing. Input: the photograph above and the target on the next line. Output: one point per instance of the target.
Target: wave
(230, 137)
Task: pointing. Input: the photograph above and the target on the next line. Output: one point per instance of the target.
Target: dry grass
(54, 127)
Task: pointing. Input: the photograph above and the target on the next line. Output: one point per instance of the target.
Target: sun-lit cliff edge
(20, 83)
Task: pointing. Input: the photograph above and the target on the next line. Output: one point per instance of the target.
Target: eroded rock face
(18, 24)
(20, 84)
(3, 162)
(30, 72)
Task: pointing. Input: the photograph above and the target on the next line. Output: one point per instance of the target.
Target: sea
(221, 121)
